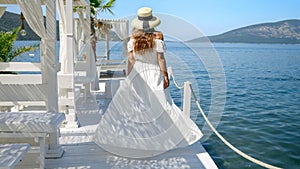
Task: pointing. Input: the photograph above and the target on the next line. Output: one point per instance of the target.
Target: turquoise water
(262, 109)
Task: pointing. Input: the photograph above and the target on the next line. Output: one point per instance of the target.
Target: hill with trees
(287, 32)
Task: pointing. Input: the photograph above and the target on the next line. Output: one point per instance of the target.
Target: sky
(215, 16)
(211, 17)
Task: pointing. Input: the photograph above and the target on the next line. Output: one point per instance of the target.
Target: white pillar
(187, 98)
(71, 117)
(51, 63)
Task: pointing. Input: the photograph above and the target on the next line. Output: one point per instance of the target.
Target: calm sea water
(262, 109)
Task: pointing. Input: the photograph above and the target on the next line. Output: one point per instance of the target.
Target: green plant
(102, 5)
(7, 51)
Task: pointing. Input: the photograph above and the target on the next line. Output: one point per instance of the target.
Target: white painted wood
(76, 2)
(51, 59)
(187, 98)
(69, 69)
(110, 61)
(20, 66)
(30, 122)
(70, 37)
(11, 154)
(65, 80)
(19, 124)
(42, 152)
(81, 152)
(112, 67)
(25, 92)
(87, 154)
(21, 78)
(22, 103)
(209, 163)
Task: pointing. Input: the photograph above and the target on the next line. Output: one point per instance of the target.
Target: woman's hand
(166, 82)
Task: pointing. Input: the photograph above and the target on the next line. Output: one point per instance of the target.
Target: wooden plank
(11, 154)
(65, 81)
(76, 2)
(113, 67)
(20, 66)
(22, 103)
(110, 61)
(82, 66)
(22, 92)
(89, 155)
(21, 78)
(31, 122)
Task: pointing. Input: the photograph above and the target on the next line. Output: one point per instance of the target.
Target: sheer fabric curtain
(62, 35)
(121, 30)
(2, 10)
(86, 39)
(36, 22)
(34, 19)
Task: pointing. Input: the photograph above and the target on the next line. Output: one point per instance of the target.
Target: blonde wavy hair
(143, 42)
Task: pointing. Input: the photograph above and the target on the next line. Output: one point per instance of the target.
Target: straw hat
(145, 20)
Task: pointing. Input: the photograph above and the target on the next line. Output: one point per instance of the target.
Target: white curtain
(86, 39)
(78, 36)
(121, 29)
(62, 35)
(36, 22)
(84, 24)
(2, 10)
(34, 19)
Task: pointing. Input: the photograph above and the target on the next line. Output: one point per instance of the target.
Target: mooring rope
(170, 72)
(220, 136)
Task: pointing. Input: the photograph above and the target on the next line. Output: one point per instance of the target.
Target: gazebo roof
(76, 2)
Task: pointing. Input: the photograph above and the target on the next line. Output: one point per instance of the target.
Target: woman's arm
(130, 63)
(163, 68)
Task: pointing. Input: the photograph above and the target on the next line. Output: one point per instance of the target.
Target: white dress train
(142, 119)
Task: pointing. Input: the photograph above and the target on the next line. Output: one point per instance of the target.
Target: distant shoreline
(282, 32)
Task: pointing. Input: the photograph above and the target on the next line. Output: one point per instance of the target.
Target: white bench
(36, 125)
(111, 65)
(21, 89)
(11, 154)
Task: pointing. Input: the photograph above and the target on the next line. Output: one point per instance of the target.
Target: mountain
(10, 21)
(287, 32)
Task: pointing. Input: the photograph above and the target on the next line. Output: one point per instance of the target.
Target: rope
(226, 142)
(170, 72)
(216, 132)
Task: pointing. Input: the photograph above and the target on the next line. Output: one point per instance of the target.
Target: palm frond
(21, 50)
(7, 50)
(107, 6)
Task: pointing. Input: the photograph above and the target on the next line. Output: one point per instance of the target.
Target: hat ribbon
(145, 20)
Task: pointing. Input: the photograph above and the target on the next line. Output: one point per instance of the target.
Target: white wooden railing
(20, 89)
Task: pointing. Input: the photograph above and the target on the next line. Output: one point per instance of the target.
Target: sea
(251, 93)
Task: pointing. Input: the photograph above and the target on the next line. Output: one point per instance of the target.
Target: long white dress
(142, 120)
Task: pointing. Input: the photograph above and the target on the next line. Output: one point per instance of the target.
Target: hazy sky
(211, 17)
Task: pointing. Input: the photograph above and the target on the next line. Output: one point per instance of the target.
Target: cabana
(18, 89)
(121, 28)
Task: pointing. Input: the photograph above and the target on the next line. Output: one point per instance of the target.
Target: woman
(142, 120)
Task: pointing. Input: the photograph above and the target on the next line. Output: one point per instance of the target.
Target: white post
(70, 46)
(107, 45)
(91, 57)
(51, 63)
(187, 98)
